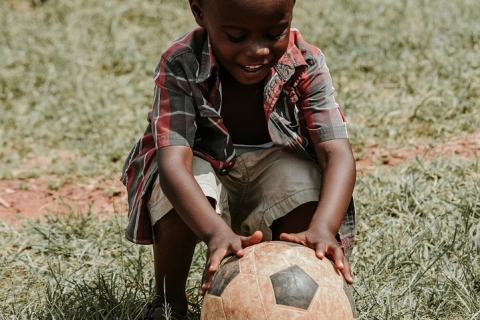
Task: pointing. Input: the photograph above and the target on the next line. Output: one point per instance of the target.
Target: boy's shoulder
(189, 54)
(194, 42)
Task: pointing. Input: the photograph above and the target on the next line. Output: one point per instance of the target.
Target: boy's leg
(281, 195)
(174, 241)
(173, 251)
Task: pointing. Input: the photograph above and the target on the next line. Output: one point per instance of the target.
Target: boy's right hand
(222, 244)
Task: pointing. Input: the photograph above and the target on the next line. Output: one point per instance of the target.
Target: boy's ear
(197, 10)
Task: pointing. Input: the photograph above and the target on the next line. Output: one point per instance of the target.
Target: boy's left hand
(325, 245)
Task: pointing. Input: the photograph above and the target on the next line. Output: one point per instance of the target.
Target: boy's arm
(338, 179)
(186, 196)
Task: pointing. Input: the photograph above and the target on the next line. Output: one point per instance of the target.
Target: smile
(253, 68)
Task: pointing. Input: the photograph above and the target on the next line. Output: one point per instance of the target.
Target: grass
(417, 257)
(419, 242)
(75, 89)
(77, 267)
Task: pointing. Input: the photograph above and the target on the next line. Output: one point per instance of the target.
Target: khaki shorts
(264, 185)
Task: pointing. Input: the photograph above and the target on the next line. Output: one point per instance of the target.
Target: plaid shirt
(298, 101)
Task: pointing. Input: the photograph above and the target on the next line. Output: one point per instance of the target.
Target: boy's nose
(262, 51)
(258, 51)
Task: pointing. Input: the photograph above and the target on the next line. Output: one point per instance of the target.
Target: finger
(215, 260)
(254, 238)
(292, 237)
(205, 279)
(212, 267)
(237, 250)
(320, 250)
(346, 271)
(338, 257)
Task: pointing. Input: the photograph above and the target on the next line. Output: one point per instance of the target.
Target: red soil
(467, 148)
(33, 198)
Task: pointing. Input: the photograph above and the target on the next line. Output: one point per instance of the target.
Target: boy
(245, 143)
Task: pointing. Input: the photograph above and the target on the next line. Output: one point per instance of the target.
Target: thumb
(255, 238)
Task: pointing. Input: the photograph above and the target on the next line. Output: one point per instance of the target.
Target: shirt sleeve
(323, 119)
(173, 111)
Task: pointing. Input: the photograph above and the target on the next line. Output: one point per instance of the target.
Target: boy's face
(247, 36)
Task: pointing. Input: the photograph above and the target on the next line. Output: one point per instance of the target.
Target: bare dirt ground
(32, 198)
(467, 147)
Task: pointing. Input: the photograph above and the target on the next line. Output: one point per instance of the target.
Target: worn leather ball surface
(277, 280)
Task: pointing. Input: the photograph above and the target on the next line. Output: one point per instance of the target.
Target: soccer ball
(277, 280)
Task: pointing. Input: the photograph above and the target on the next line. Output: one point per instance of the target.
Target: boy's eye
(235, 39)
(278, 36)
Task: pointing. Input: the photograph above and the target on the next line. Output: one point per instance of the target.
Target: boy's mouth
(253, 68)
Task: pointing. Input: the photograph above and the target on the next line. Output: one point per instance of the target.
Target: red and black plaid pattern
(299, 104)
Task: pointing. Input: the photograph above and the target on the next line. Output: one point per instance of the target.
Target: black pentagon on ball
(293, 287)
(227, 272)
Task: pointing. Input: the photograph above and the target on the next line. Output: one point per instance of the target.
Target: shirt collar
(208, 62)
(291, 60)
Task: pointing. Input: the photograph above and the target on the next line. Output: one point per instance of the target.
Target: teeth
(253, 68)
